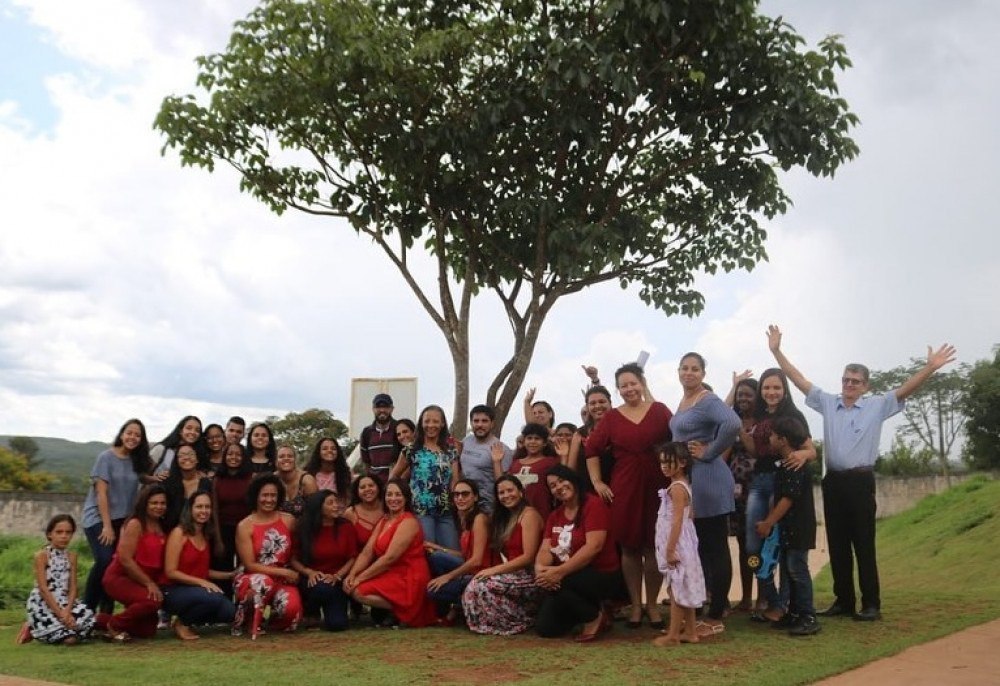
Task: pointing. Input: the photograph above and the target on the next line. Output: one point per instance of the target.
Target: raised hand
(940, 357)
(743, 376)
(773, 338)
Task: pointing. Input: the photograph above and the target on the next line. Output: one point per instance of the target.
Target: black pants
(577, 601)
(849, 509)
(713, 551)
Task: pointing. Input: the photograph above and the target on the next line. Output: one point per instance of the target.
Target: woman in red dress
(391, 572)
(630, 431)
(264, 546)
(135, 574)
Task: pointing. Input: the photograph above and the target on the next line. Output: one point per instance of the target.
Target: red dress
(636, 478)
(404, 584)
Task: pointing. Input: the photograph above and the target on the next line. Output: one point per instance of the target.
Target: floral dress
(272, 546)
(503, 604)
(44, 624)
(685, 580)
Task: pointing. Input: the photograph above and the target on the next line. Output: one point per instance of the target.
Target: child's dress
(686, 580)
(44, 625)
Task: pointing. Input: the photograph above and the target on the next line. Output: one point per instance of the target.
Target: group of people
(575, 525)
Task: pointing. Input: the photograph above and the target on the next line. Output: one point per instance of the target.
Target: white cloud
(132, 286)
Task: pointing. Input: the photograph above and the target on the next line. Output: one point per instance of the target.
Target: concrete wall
(897, 493)
(26, 514)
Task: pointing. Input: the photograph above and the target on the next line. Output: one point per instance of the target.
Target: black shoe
(868, 614)
(836, 610)
(806, 626)
(787, 621)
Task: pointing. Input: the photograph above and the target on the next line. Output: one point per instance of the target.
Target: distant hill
(69, 460)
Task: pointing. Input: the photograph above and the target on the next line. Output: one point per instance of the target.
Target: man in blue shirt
(852, 426)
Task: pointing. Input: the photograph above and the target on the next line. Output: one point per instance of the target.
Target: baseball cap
(382, 399)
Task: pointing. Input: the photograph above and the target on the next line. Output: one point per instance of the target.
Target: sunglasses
(852, 382)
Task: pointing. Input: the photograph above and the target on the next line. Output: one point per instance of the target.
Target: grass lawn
(938, 564)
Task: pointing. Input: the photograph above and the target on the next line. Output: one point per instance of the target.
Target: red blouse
(193, 561)
(333, 547)
(566, 536)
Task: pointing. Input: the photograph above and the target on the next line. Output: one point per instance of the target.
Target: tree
(906, 459)
(982, 408)
(934, 413)
(303, 430)
(533, 149)
(27, 448)
(16, 476)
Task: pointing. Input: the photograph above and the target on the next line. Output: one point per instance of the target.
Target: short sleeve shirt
(565, 537)
(430, 480)
(477, 466)
(123, 485)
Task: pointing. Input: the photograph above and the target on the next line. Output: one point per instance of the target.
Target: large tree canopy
(533, 148)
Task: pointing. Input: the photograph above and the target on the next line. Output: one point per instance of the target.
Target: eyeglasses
(847, 381)
(462, 494)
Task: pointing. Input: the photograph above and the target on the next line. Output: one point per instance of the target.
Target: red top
(566, 537)
(513, 547)
(231, 498)
(148, 555)
(467, 542)
(193, 561)
(333, 547)
(363, 528)
(532, 477)
(272, 543)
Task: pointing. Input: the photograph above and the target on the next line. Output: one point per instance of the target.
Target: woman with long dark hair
(215, 446)
(135, 575)
(367, 508)
(262, 450)
(188, 430)
(230, 487)
(114, 483)
(577, 562)
(192, 594)
(453, 569)
(502, 599)
(597, 402)
(325, 552)
(773, 400)
(183, 481)
(328, 467)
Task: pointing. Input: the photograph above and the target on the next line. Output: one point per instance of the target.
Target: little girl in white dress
(677, 547)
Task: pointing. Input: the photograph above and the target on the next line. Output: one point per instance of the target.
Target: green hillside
(69, 460)
(938, 567)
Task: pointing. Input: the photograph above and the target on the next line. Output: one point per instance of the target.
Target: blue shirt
(851, 434)
(123, 486)
(477, 466)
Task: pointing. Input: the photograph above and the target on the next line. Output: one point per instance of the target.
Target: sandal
(706, 630)
(24, 635)
(118, 637)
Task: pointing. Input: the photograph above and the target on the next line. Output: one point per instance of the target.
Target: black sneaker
(787, 621)
(806, 626)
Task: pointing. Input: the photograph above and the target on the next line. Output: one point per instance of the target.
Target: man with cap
(379, 448)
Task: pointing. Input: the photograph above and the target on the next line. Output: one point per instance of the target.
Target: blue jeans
(332, 602)
(442, 563)
(759, 499)
(440, 529)
(94, 595)
(195, 605)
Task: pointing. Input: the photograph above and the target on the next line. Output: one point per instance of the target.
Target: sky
(130, 286)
